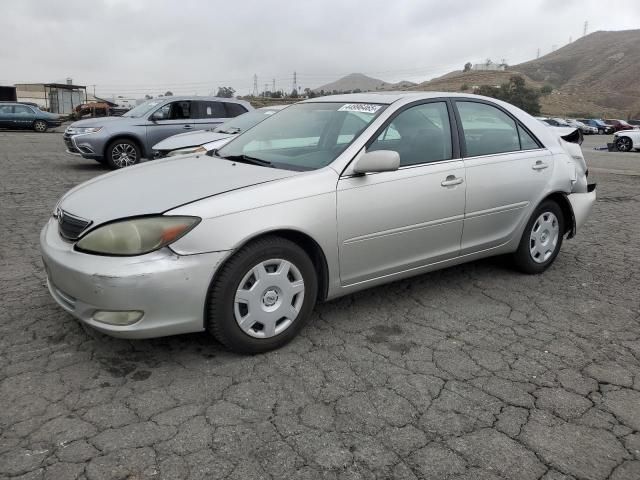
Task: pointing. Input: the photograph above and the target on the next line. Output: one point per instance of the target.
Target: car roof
(388, 97)
(273, 107)
(195, 97)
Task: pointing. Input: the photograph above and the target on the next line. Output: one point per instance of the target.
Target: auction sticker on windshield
(359, 107)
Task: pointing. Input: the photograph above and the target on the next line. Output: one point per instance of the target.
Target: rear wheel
(122, 153)
(624, 144)
(40, 126)
(262, 296)
(541, 239)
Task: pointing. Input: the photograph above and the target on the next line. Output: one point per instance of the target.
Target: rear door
(170, 119)
(507, 169)
(208, 114)
(23, 116)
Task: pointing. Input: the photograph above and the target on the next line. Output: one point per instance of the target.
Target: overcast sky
(131, 48)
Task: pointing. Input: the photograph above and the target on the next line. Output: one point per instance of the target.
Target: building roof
(55, 85)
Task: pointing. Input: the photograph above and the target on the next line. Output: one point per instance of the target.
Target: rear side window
(234, 109)
(420, 134)
(5, 109)
(211, 110)
(22, 110)
(487, 129)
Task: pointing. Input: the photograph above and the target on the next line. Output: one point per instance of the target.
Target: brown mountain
(355, 81)
(599, 75)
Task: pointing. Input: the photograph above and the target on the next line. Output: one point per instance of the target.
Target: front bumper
(170, 289)
(86, 145)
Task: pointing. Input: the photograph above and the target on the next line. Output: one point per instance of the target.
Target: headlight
(82, 130)
(186, 151)
(136, 236)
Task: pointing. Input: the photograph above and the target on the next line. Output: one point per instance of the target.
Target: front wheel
(262, 296)
(624, 144)
(541, 239)
(601, 131)
(122, 153)
(40, 126)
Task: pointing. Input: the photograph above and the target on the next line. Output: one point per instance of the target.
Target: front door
(23, 116)
(507, 170)
(396, 221)
(170, 119)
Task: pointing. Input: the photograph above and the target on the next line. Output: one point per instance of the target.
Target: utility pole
(273, 89)
(295, 82)
(266, 86)
(255, 85)
(538, 54)
(586, 28)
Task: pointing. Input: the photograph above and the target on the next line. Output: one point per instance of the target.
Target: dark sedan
(20, 115)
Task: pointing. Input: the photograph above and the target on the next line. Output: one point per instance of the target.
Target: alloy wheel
(623, 144)
(543, 240)
(269, 298)
(40, 126)
(124, 155)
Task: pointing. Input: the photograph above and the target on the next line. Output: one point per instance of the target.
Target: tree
(168, 93)
(464, 87)
(225, 92)
(515, 92)
(148, 97)
(546, 90)
(467, 67)
(294, 93)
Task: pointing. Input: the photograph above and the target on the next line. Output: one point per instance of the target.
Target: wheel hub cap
(543, 240)
(269, 298)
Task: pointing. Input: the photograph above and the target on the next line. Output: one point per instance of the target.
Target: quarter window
(487, 130)
(234, 109)
(526, 141)
(420, 134)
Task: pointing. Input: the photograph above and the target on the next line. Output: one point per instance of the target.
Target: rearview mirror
(377, 161)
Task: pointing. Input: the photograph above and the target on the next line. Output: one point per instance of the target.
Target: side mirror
(377, 161)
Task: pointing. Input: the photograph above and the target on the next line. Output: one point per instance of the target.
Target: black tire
(114, 153)
(523, 257)
(624, 144)
(220, 309)
(40, 126)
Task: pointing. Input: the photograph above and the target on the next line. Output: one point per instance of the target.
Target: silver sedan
(330, 196)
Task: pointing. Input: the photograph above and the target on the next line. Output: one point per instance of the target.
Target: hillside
(355, 81)
(602, 68)
(598, 74)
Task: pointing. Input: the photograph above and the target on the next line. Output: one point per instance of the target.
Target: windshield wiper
(249, 160)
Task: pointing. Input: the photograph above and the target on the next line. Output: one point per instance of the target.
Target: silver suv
(122, 141)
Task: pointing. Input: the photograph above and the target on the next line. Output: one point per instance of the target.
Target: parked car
(329, 196)
(206, 140)
(635, 123)
(618, 125)
(603, 128)
(627, 140)
(17, 115)
(584, 128)
(123, 141)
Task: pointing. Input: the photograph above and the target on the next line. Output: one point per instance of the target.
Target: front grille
(70, 226)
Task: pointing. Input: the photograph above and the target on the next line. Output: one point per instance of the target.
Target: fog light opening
(122, 317)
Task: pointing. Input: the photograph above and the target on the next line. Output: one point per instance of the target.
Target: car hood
(190, 139)
(161, 185)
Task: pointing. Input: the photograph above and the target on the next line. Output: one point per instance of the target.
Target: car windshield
(142, 109)
(305, 136)
(244, 122)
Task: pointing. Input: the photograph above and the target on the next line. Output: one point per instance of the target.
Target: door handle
(540, 165)
(188, 127)
(451, 180)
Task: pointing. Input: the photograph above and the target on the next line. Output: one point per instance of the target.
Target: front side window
(22, 110)
(487, 129)
(420, 134)
(305, 136)
(174, 111)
